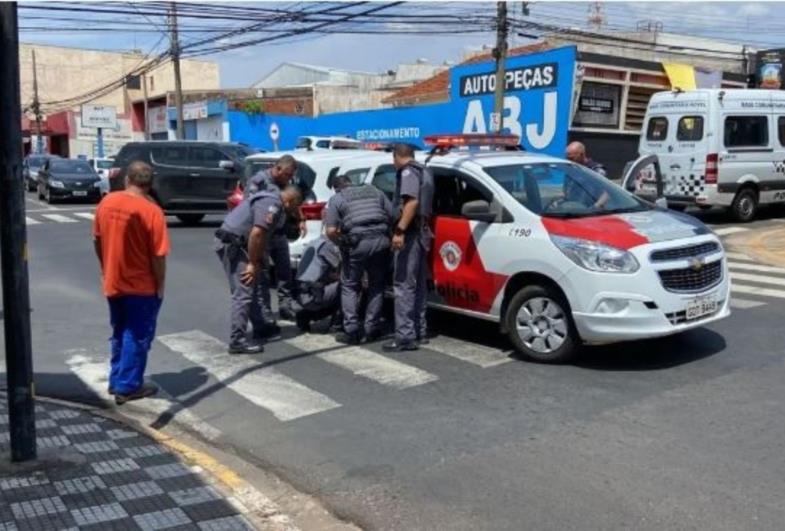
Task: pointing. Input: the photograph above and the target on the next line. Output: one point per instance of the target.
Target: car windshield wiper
(628, 210)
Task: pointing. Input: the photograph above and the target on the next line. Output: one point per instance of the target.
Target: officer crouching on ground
(412, 239)
(275, 179)
(243, 242)
(358, 218)
(318, 293)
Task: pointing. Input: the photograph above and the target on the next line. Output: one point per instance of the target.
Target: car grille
(679, 253)
(677, 318)
(689, 280)
(82, 185)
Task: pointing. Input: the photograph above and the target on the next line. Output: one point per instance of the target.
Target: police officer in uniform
(576, 152)
(412, 239)
(242, 244)
(358, 218)
(275, 179)
(318, 294)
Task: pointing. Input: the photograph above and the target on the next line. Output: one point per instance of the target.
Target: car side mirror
(661, 202)
(227, 165)
(478, 210)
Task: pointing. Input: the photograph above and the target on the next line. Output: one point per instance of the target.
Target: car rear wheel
(40, 192)
(190, 219)
(31, 186)
(48, 195)
(540, 326)
(745, 205)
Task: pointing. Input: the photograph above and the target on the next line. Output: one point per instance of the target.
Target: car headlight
(596, 256)
(56, 184)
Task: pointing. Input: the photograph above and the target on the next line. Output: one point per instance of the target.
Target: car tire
(31, 187)
(539, 324)
(190, 219)
(745, 205)
(40, 192)
(48, 196)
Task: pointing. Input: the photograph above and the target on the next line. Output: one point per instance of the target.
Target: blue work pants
(133, 319)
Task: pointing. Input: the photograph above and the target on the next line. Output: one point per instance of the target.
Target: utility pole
(146, 113)
(39, 143)
(13, 246)
(178, 86)
(500, 53)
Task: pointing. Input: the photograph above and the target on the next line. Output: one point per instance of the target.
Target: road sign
(275, 134)
(99, 116)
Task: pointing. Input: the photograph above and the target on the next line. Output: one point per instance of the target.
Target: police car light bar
(472, 139)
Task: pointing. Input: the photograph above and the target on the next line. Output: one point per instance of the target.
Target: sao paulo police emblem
(451, 255)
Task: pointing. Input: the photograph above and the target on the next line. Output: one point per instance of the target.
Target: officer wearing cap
(412, 239)
(358, 218)
(242, 244)
(319, 294)
(274, 179)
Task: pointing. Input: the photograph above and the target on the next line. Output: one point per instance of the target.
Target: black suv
(190, 178)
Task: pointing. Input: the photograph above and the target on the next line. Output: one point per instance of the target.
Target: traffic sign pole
(100, 141)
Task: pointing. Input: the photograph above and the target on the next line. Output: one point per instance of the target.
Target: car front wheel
(40, 192)
(539, 324)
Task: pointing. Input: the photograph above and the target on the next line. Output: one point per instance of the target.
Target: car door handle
(675, 166)
(194, 174)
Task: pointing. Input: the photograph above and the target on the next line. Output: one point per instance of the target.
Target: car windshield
(71, 166)
(104, 164)
(564, 190)
(36, 162)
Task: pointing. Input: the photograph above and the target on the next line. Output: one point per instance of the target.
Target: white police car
(560, 256)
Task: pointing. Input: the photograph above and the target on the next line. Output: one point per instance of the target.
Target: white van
(316, 143)
(718, 147)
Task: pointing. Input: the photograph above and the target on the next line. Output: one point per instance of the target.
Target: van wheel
(539, 324)
(745, 205)
(190, 219)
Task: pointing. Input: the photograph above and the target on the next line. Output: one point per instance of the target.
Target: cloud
(754, 9)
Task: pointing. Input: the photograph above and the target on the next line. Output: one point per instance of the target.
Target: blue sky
(757, 23)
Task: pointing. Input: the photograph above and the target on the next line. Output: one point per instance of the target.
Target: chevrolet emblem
(696, 264)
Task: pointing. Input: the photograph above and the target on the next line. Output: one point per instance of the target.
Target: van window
(781, 129)
(171, 155)
(746, 131)
(658, 129)
(690, 129)
(323, 144)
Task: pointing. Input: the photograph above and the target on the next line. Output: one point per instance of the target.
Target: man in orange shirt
(131, 243)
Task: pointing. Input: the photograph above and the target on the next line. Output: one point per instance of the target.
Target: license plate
(699, 307)
(80, 194)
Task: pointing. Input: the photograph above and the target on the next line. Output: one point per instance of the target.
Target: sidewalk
(766, 245)
(108, 477)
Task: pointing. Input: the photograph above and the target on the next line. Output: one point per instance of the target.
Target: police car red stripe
(609, 230)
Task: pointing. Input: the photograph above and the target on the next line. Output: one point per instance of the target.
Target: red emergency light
(472, 139)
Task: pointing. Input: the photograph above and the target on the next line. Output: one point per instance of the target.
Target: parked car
(316, 143)
(60, 179)
(718, 147)
(102, 167)
(190, 178)
(30, 167)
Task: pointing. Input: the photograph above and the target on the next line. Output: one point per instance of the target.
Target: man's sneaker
(269, 332)
(245, 348)
(402, 346)
(303, 322)
(348, 339)
(147, 389)
(286, 314)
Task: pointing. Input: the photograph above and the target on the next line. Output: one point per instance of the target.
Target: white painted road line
(31, 221)
(724, 231)
(759, 279)
(95, 374)
(264, 386)
(744, 304)
(85, 215)
(363, 362)
(469, 352)
(738, 256)
(59, 218)
(755, 290)
(756, 267)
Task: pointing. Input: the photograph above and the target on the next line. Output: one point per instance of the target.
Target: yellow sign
(680, 75)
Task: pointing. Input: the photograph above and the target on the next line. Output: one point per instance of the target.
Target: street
(678, 433)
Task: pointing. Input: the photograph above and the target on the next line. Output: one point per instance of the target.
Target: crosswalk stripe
(725, 231)
(95, 374)
(744, 304)
(738, 256)
(755, 290)
(31, 221)
(760, 279)
(363, 362)
(282, 396)
(85, 215)
(469, 352)
(59, 218)
(756, 267)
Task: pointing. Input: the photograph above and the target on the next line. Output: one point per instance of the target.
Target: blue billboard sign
(537, 105)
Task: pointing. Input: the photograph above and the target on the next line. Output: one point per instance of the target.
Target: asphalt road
(677, 433)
